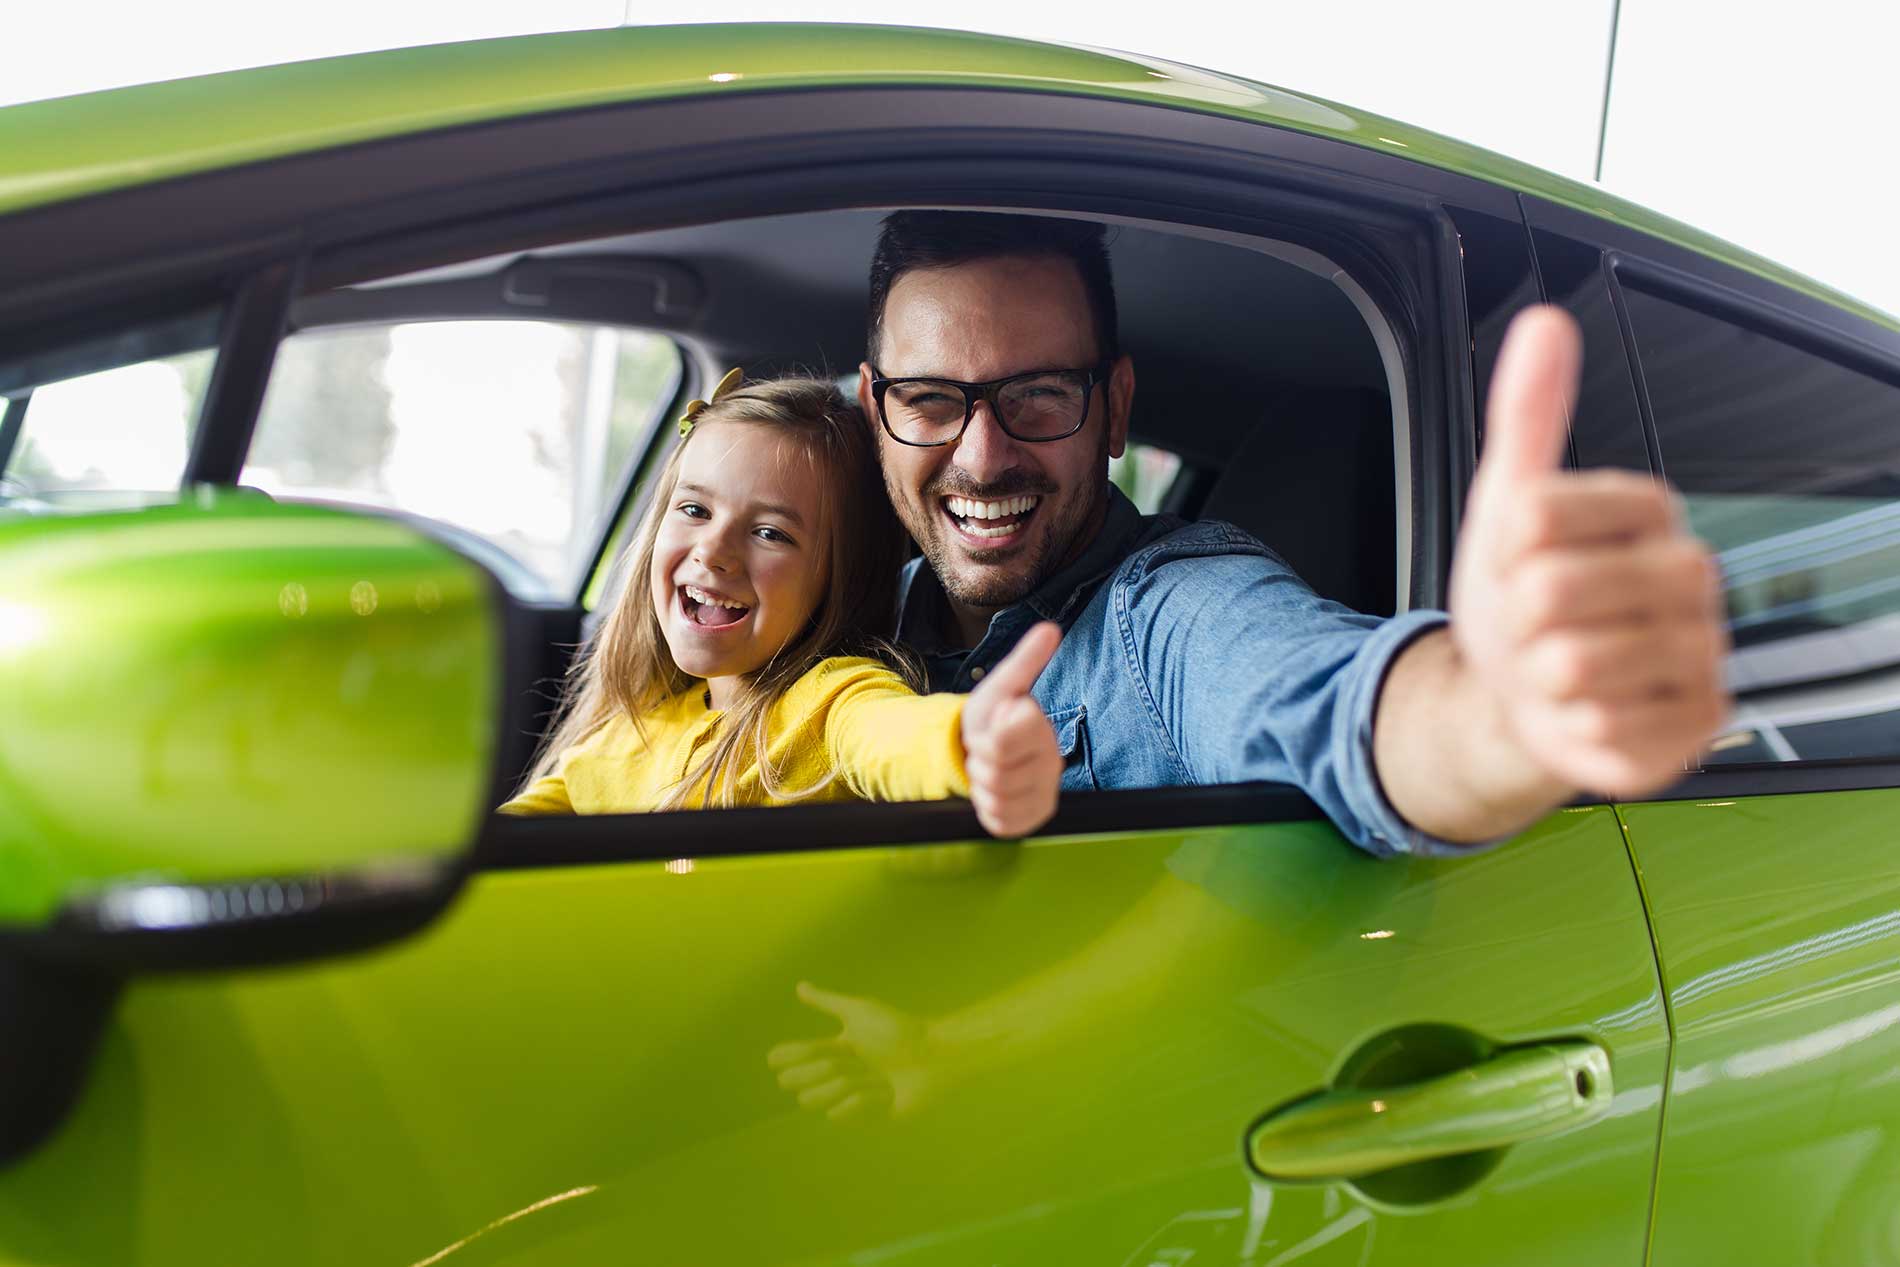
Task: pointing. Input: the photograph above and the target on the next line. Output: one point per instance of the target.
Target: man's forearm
(1445, 754)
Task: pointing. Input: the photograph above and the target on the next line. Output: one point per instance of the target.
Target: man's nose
(985, 451)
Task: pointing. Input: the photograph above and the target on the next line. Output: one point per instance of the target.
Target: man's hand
(1580, 605)
(1009, 747)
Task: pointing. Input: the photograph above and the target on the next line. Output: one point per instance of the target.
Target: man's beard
(998, 585)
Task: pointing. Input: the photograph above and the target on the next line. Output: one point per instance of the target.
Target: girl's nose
(713, 555)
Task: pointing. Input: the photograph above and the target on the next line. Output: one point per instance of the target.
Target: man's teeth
(964, 508)
(700, 596)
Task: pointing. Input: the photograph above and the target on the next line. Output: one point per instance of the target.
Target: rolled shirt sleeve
(1249, 675)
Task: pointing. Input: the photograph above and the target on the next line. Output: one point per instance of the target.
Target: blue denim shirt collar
(924, 610)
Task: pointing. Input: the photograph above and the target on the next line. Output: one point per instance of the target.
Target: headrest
(1314, 480)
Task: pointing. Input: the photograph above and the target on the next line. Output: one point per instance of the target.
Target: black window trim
(510, 843)
(1639, 379)
(12, 423)
(247, 348)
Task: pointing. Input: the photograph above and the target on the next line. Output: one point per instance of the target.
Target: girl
(743, 665)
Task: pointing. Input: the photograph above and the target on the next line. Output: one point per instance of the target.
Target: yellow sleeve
(549, 793)
(887, 742)
(546, 795)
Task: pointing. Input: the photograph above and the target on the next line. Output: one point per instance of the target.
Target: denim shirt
(1193, 654)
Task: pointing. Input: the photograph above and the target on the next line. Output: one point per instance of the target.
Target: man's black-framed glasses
(1035, 407)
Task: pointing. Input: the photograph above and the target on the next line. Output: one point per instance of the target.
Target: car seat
(1314, 480)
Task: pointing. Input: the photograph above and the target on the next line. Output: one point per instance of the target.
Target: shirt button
(976, 674)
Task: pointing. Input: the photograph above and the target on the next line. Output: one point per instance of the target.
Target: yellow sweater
(851, 714)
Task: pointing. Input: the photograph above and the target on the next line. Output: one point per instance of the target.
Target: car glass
(108, 438)
(1606, 429)
(515, 435)
(1145, 473)
(1790, 468)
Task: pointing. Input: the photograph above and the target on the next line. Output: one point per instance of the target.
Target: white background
(1769, 125)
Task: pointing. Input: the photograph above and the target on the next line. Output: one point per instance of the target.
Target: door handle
(1516, 1095)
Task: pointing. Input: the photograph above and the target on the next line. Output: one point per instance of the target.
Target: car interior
(1265, 377)
(1261, 367)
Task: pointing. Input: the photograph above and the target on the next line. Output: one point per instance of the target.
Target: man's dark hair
(940, 239)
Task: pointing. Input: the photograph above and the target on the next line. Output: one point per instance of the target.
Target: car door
(1770, 872)
(1175, 1025)
(1061, 1045)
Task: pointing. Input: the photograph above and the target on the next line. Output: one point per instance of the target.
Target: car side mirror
(233, 730)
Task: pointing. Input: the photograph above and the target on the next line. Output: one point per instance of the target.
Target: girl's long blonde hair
(625, 669)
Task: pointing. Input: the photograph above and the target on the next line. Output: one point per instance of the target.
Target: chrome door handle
(1516, 1095)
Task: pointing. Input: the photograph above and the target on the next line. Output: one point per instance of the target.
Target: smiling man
(1583, 647)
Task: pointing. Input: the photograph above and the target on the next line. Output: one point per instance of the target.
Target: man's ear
(1121, 400)
(869, 406)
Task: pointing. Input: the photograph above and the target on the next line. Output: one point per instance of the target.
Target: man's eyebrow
(770, 508)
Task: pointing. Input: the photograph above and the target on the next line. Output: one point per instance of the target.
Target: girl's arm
(994, 745)
(546, 795)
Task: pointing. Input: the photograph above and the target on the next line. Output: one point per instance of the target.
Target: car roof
(70, 147)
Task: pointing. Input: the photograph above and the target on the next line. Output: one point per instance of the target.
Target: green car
(330, 391)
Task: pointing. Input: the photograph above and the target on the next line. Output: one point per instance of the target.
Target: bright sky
(1761, 123)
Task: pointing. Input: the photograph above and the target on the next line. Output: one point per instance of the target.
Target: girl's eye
(768, 533)
(693, 510)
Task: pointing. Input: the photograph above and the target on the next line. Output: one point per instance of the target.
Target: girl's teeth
(701, 596)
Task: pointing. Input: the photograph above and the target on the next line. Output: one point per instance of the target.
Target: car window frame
(364, 212)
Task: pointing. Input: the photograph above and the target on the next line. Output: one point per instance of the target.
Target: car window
(100, 439)
(1145, 474)
(513, 435)
(1790, 468)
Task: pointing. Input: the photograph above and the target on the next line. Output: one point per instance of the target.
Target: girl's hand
(881, 1063)
(1009, 747)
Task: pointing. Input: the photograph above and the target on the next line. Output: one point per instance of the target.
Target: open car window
(513, 436)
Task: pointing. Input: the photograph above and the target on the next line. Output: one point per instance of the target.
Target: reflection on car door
(1058, 1050)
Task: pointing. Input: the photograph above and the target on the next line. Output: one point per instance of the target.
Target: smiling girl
(744, 662)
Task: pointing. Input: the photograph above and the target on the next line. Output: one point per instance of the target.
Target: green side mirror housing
(232, 725)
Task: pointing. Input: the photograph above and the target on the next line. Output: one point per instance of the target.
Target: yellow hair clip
(694, 408)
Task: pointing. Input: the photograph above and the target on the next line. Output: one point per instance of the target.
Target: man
(1583, 646)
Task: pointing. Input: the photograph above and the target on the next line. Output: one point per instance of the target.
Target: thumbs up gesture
(1579, 601)
(1009, 747)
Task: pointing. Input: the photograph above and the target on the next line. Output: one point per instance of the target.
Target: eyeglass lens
(1042, 407)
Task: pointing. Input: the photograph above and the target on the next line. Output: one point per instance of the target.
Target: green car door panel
(1777, 920)
(1008, 1054)
(228, 689)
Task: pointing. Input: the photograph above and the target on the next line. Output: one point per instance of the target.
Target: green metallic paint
(1515, 1096)
(228, 688)
(1777, 920)
(1074, 1036)
(69, 147)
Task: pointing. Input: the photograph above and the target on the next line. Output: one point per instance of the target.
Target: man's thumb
(1532, 393)
(1016, 672)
